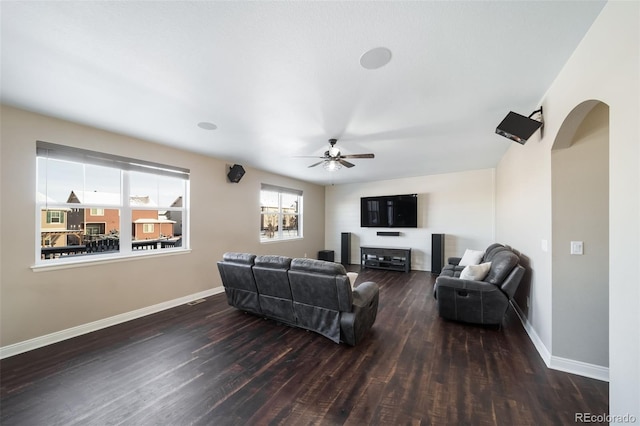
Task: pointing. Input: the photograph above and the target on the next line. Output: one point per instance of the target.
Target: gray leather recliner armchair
(479, 302)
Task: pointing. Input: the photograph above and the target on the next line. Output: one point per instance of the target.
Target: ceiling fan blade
(315, 164)
(345, 163)
(358, 156)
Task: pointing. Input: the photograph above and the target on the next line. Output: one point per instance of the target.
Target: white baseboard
(58, 336)
(535, 339)
(580, 368)
(566, 365)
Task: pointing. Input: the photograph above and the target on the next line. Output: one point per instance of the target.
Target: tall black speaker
(437, 253)
(345, 248)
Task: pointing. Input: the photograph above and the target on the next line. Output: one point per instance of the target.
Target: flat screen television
(389, 211)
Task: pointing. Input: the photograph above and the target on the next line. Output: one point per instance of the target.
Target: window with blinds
(280, 213)
(92, 204)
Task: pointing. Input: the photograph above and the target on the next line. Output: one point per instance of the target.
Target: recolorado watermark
(604, 418)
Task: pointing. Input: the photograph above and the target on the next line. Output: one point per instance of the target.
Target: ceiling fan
(333, 159)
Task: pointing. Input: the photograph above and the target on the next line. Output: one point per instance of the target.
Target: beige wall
(604, 67)
(224, 217)
(459, 205)
(580, 212)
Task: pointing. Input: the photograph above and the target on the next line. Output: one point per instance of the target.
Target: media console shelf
(391, 258)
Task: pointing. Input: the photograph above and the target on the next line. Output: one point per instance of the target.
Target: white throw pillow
(352, 278)
(475, 272)
(471, 257)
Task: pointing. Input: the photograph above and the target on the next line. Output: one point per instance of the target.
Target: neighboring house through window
(280, 213)
(55, 216)
(106, 205)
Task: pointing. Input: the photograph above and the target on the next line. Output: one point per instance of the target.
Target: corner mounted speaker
(517, 127)
(235, 173)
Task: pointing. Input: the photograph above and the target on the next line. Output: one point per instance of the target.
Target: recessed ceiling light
(207, 126)
(375, 58)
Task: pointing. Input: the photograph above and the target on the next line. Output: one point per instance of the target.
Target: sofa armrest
(511, 283)
(454, 260)
(364, 293)
(354, 325)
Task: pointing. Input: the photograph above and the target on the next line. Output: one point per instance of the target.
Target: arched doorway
(580, 213)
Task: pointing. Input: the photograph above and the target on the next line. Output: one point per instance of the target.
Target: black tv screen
(389, 211)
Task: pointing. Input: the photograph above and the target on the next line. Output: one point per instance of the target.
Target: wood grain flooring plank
(210, 364)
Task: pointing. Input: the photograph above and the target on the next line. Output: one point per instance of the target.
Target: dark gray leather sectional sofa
(312, 294)
(480, 302)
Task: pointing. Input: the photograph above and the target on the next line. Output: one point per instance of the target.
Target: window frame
(279, 235)
(125, 207)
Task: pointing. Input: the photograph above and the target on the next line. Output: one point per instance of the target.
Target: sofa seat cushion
(451, 271)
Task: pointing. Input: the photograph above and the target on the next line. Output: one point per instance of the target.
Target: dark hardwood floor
(209, 364)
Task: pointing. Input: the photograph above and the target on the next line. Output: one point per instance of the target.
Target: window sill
(281, 240)
(104, 259)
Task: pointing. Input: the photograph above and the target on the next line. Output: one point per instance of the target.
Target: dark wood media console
(390, 258)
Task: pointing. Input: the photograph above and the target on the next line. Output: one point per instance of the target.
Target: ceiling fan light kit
(332, 165)
(334, 160)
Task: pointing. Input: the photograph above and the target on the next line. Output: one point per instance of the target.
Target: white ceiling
(281, 78)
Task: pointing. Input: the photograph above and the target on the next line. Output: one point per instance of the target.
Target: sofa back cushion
(492, 250)
(240, 258)
(272, 280)
(271, 275)
(238, 280)
(502, 263)
(321, 292)
(321, 283)
(235, 270)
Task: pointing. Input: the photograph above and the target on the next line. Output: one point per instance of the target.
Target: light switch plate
(577, 247)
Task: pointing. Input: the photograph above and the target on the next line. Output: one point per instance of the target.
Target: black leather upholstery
(481, 302)
(270, 273)
(320, 291)
(308, 293)
(236, 270)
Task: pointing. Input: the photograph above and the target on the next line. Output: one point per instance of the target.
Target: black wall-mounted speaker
(517, 127)
(236, 173)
